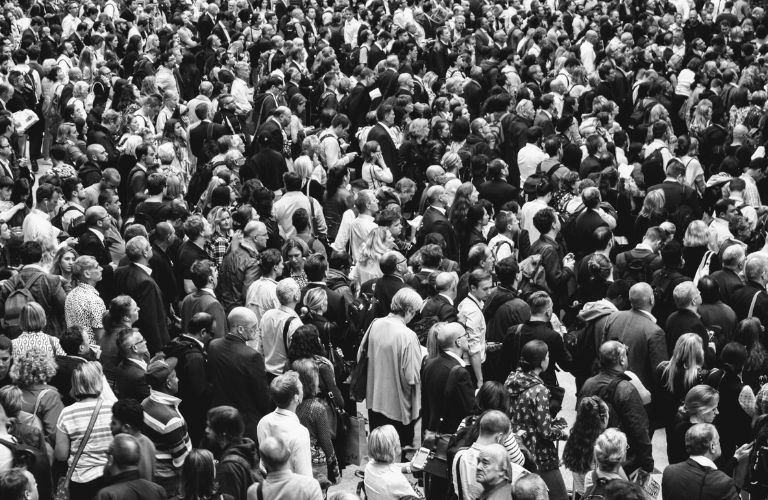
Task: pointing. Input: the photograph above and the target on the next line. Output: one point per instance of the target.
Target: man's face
(113, 207)
(396, 228)
(483, 289)
(150, 158)
(731, 213)
(172, 383)
(488, 471)
(5, 149)
(260, 238)
(116, 426)
(5, 362)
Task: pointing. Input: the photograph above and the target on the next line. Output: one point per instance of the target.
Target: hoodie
(235, 470)
(594, 315)
(529, 408)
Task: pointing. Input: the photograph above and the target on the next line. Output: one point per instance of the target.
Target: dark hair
(315, 267)
(578, 451)
(269, 259)
(533, 354)
(201, 271)
(506, 271)
(305, 343)
(31, 252)
(200, 321)
(710, 290)
(226, 421)
(544, 220)
(71, 340)
(733, 356)
(128, 412)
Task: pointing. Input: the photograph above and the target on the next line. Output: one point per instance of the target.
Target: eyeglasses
(142, 341)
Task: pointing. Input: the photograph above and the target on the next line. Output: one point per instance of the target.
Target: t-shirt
(73, 421)
(6, 455)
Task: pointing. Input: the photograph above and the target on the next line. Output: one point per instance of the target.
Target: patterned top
(84, 308)
(217, 247)
(73, 422)
(36, 340)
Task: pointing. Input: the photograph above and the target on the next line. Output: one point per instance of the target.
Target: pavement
(349, 481)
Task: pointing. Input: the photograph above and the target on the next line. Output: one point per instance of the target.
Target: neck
(143, 262)
(540, 317)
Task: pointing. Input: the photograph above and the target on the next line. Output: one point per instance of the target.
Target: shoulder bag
(358, 380)
(62, 488)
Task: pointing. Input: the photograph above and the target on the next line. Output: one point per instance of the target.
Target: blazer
(238, 378)
(438, 306)
(271, 129)
(436, 222)
(645, 339)
(741, 299)
(358, 105)
(728, 282)
(198, 135)
(130, 381)
(447, 394)
(691, 480)
(385, 288)
(388, 149)
(90, 244)
(203, 301)
(153, 321)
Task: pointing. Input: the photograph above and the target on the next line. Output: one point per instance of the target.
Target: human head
(274, 454)
(701, 403)
(384, 445)
(534, 356)
(87, 380)
(610, 449)
(286, 390)
(161, 375)
(703, 440)
(18, 484)
(530, 487)
(493, 466)
(613, 356)
(243, 322)
(406, 303)
(86, 270)
(36, 366)
(224, 425)
(127, 417)
(32, 318)
(198, 474)
(687, 296)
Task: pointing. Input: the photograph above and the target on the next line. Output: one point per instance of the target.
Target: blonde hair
(32, 318)
(314, 298)
(374, 246)
(610, 448)
(696, 235)
(304, 167)
(384, 444)
(36, 366)
(688, 355)
(87, 380)
(653, 202)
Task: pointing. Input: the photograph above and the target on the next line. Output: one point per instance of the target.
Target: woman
(52, 84)
(567, 193)
(198, 477)
(610, 451)
(695, 248)
(296, 130)
(740, 108)
(384, 480)
(378, 242)
(304, 166)
(67, 137)
(313, 414)
(315, 305)
(132, 54)
(652, 214)
(87, 64)
(417, 152)
(175, 133)
(31, 373)
(470, 232)
(687, 152)
(337, 199)
(737, 400)
(62, 265)
(677, 376)
(591, 420)
(529, 409)
(594, 285)
(700, 407)
(306, 343)
(700, 119)
(122, 313)
(375, 170)
(33, 322)
(294, 252)
(365, 39)
(220, 219)
(90, 415)
(750, 334)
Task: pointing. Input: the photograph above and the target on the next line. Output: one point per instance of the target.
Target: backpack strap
(286, 326)
(752, 304)
(40, 394)
(259, 493)
(459, 487)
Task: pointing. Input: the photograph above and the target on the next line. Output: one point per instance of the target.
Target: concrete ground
(349, 481)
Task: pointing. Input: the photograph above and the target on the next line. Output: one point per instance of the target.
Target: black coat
(272, 130)
(688, 480)
(129, 486)
(194, 389)
(580, 241)
(130, 382)
(498, 192)
(153, 321)
(388, 149)
(204, 131)
(684, 321)
(448, 394)
(677, 194)
(238, 378)
(436, 222)
(90, 244)
(358, 105)
(268, 166)
(741, 300)
(386, 287)
(728, 282)
(439, 307)
(337, 311)
(98, 134)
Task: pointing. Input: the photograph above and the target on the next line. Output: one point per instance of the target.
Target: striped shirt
(73, 422)
(165, 426)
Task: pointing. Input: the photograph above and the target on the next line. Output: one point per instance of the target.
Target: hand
(742, 451)
(19, 206)
(569, 261)
(71, 241)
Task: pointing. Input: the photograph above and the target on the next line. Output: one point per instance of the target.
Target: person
(714, 312)
(18, 484)
(441, 304)
(6, 360)
(198, 477)
(85, 424)
(278, 325)
(203, 299)
(237, 373)
(262, 294)
(471, 315)
(610, 450)
(31, 373)
(753, 291)
(84, 307)
(447, 389)
(591, 420)
(280, 482)
(32, 321)
(702, 443)
(394, 355)
(122, 470)
(557, 264)
(530, 487)
(122, 313)
(236, 454)
(637, 329)
(614, 387)
(240, 266)
(728, 278)
(687, 319)
(164, 425)
(384, 480)
(287, 393)
(494, 473)
(128, 418)
(530, 410)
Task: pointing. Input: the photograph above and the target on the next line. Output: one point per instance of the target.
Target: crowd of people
(246, 244)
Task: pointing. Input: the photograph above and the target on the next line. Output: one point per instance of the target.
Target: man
(686, 319)
(641, 262)
(72, 210)
(262, 294)
(753, 173)
(6, 359)
(360, 101)
(110, 180)
(165, 78)
(654, 171)
(394, 266)
(45, 289)
(702, 442)
(164, 425)
(448, 394)
(278, 326)
(90, 172)
(135, 279)
(130, 372)
(471, 316)
(751, 300)
(728, 278)
(543, 195)
(204, 96)
(18, 484)
(435, 220)
(77, 350)
(128, 418)
(202, 134)
(585, 224)
(274, 129)
(533, 487)
(629, 415)
(352, 235)
(236, 454)
(494, 472)
(725, 211)
(204, 277)
(286, 392)
(191, 370)
(240, 266)
(137, 178)
(84, 307)
(530, 155)
(594, 145)
(393, 392)
(316, 269)
(198, 232)
(441, 305)
(236, 371)
(382, 133)
(638, 330)
(558, 266)
(122, 473)
(281, 482)
(292, 200)
(677, 193)
(496, 189)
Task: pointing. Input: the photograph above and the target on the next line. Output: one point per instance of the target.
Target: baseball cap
(158, 372)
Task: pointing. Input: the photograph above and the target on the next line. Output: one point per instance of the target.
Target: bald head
(125, 451)
(448, 334)
(274, 454)
(446, 283)
(95, 214)
(434, 172)
(242, 319)
(530, 487)
(641, 296)
(94, 150)
(755, 267)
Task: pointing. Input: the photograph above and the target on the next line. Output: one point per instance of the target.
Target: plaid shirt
(217, 247)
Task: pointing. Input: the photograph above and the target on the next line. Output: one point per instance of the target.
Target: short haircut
(494, 422)
(539, 302)
(32, 318)
(431, 256)
(389, 261)
(506, 271)
(136, 247)
(478, 276)
(699, 438)
(405, 300)
(316, 267)
(226, 421)
(31, 252)
(87, 380)
(383, 443)
(610, 448)
(156, 182)
(683, 293)
(477, 254)
(269, 260)
(529, 487)
(194, 226)
(287, 291)
(128, 412)
(284, 388)
(71, 340)
(6, 344)
(201, 271)
(82, 264)
(544, 220)
(610, 354)
(14, 484)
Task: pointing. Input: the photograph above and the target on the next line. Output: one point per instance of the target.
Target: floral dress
(313, 415)
(529, 411)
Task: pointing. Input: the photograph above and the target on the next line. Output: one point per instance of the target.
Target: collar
(457, 358)
(161, 397)
(286, 413)
(439, 209)
(88, 287)
(98, 233)
(202, 346)
(450, 300)
(643, 246)
(124, 477)
(478, 303)
(144, 268)
(140, 362)
(646, 313)
(704, 461)
(207, 290)
(34, 266)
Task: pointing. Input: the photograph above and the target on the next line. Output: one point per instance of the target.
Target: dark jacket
(238, 378)
(46, 290)
(234, 470)
(560, 280)
(435, 221)
(203, 301)
(268, 165)
(439, 307)
(358, 105)
(741, 300)
(237, 271)
(689, 479)
(194, 389)
(676, 195)
(684, 321)
(129, 486)
(153, 321)
(733, 423)
(90, 244)
(98, 134)
(447, 394)
(386, 287)
(538, 330)
(498, 192)
(336, 313)
(130, 382)
(388, 149)
(728, 282)
(580, 240)
(628, 414)
(198, 135)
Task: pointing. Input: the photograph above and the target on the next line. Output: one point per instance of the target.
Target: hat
(158, 372)
(761, 401)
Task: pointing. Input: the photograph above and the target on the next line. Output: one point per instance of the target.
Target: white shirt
(68, 26)
(588, 57)
(351, 29)
(262, 296)
(354, 233)
(288, 204)
(471, 315)
(274, 348)
(285, 425)
(527, 212)
(243, 96)
(528, 158)
(704, 461)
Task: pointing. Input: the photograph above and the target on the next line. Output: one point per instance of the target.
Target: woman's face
(5, 193)
(390, 239)
(67, 262)
(224, 221)
(178, 129)
(133, 312)
(708, 414)
(295, 259)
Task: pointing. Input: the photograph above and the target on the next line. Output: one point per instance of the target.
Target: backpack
(607, 393)
(640, 114)
(597, 490)
(76, 223)
(19, 298)
(32, 459)
(498, 245)
(653, 168)
(140, 72)
(580, 343)
(638, 269)
(534, 276)
(30, 85)
(361, 313)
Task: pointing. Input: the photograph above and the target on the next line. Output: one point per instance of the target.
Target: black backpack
(580, 343)
(653, 168)
(76, 225)
(597, 490)
(607, 393)
(361, 313)
(638, 269)
(32, 459)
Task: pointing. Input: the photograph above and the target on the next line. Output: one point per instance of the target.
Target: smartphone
(419, 460)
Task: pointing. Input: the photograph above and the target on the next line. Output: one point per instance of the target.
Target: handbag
(62, 487)
(358, 380)
(356, 449)
(437, 463)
